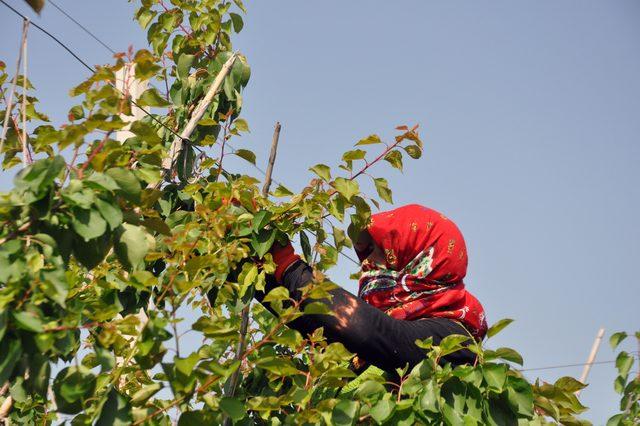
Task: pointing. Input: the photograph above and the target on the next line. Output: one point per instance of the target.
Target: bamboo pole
(198, 112)
(244, 325)
(592, 357)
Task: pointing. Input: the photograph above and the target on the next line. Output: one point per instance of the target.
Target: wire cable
(86, 30)
(90, 68)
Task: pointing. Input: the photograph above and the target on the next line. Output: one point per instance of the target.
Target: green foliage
(99, 249)
(627, 387)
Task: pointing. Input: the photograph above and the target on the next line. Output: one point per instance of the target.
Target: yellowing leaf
(369, 140)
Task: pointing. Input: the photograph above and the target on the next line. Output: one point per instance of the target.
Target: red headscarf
(426, 261)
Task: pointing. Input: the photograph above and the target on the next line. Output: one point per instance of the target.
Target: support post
(129, 85)
(592, 357)
(244, 325)
(198, 112)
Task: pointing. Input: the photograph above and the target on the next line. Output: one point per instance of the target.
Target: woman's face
(368, 250)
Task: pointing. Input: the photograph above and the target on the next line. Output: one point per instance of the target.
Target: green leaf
(323, 171)
(89, 224)
(146, 392)
(237, 22)
(509, 354)
(241, 124)
(39, 176)
(345, 413)
(520, 396)
(495, 375)
(187, 365)
(356, 154)
(130, 187)
(132, 246)
(279, 366)
(414, 151)
(101, 181)
(306, 246)
(29, 320)
(10, 351)
(278, 293)
(624, 362)
(616, 339)
(347, 188)
(4, 319)
(152, 98)
(452, 343)
(395, 159)
(382, 186)
(369, 140)
(233, 407)
(71, 387)
(246, 155)
(498, 326)
(91, 253)
(569, 384)
(157, 224)
(183, 65)
(262, 241)
(116, 411)
(110, 212)
(382, 411)
(282, 191)
(316, 308)
(261, 219)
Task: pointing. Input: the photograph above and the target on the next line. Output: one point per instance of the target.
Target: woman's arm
(374, 336)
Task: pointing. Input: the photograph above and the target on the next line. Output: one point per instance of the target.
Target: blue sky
(530, 113)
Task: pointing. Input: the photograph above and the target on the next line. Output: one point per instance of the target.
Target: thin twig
(14, 83)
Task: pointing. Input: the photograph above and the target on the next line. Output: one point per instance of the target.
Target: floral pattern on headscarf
(422, 276)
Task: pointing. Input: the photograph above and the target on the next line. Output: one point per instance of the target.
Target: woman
(413, 262)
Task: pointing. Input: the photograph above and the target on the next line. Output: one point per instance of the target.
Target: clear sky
(530, 112)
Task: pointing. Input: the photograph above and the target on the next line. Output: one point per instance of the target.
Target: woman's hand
(283, 256)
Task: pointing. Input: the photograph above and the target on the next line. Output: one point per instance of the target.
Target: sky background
(530, 114)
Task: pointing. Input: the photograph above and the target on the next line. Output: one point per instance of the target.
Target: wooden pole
(128, 85)
(272, 160)
(14, 83)
(26, 154)
(244, 325)
(592, 357)
(198, 112)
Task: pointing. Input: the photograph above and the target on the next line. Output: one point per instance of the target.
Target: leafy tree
(628, 388)
(102, 241)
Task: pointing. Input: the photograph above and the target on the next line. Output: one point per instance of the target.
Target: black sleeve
(366, 331)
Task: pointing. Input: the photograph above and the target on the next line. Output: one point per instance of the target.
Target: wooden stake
(592, 357)
(244, 325)
(198, 112)
(14, 83)
(272, 160)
